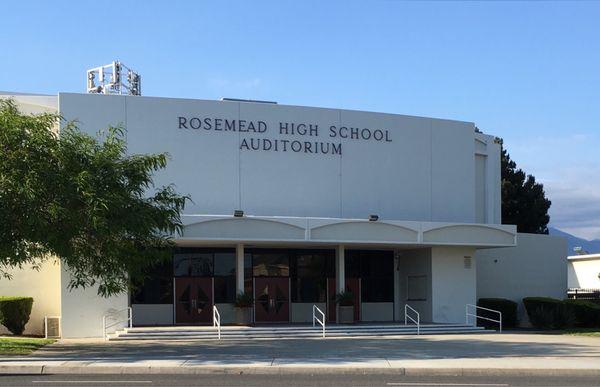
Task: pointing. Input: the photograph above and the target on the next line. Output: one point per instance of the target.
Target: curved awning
(333, 231)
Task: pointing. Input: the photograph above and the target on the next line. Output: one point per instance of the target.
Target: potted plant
(345, 302)
(243, 308)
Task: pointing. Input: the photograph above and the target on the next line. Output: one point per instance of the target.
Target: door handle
(193, 303)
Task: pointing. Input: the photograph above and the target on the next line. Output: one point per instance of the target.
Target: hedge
(14, 313)
(587, 314)
(508, 309)
(549, 313)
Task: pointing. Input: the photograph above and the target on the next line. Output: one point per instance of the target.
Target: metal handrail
(467, 314)
(407, 316)
(217, 321)
(315, 318)
(106, 326)
(46, 326)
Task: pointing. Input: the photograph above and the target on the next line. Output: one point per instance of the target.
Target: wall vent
(468, 262)
(52, 327)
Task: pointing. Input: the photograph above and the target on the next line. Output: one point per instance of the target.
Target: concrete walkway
(452, 354)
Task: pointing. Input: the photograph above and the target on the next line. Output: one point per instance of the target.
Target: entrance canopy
(275, 230)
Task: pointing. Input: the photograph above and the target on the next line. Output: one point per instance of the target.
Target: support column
(340, 274)
(397, 298)
(239, 268)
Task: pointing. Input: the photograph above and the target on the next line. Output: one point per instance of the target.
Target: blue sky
(528, 72)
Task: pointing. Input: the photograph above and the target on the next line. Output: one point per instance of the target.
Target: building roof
(584, 257)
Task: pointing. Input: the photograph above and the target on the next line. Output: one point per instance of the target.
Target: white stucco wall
(43, 285)
(453, 281)
(32, 103)
(537, 266)
(227, 312)
(415, 263)
(82, 309)
(377, 311)
(369, 177)
(301, 312)
(584, 271)
(152, 314)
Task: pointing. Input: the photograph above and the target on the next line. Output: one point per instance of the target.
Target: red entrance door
(193, 300)
(352, 285)
(272, 299)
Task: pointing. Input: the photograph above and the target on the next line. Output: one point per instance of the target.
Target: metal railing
(316, 309)
(116, 321)
(46, 326)
(475, 308)
(583, 294)
(217, 321)
(408, 317)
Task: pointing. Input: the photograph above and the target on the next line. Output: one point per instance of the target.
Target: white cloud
(576, 202)
(569, 168)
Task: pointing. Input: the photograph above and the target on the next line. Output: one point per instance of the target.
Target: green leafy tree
(524, 201)
(82, 199)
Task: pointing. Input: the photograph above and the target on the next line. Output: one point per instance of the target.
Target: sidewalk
(484, 354)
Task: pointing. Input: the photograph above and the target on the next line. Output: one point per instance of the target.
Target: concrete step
(251, 331)
(287, 332)
(288, 328)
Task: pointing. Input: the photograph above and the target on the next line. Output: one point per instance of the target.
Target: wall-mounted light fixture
(373, 218)
(238, 213)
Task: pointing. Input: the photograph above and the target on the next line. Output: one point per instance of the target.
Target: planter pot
(346, 314)
(243, 316)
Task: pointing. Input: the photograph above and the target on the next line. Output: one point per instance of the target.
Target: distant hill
(592, 246)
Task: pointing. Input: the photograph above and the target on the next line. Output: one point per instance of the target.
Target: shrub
(549, 313)
(244, 300)
(14, 313)
(508, 309)
(587, 314)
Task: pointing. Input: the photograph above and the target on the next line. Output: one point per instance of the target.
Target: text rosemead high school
(307, 180)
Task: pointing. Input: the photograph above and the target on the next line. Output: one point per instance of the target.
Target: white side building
(584, 271)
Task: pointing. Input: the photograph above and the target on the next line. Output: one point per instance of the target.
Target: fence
(584, 294)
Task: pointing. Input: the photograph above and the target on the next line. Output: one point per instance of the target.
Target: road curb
(21, 369)
(278, 370)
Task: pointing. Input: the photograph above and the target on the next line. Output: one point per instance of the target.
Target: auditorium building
(294, 205)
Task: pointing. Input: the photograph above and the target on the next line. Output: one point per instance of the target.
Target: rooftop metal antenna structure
(114, 78)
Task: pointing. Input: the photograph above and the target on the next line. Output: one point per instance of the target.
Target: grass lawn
(21, 345)
(595, 332)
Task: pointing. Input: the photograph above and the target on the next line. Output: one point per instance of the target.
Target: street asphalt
(293, 380)
(477, 360)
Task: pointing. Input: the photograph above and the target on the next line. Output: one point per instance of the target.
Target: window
(378, 264)
(248, 281)
(157, 288)
(309, 270)
(377, 289)
(191, 262)
(352, 264)
(313, 264)
(271, 264)
(225, 289)
(376, 270)
(309, 289)
(181, 265)
(224, 263)
(201, 265)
